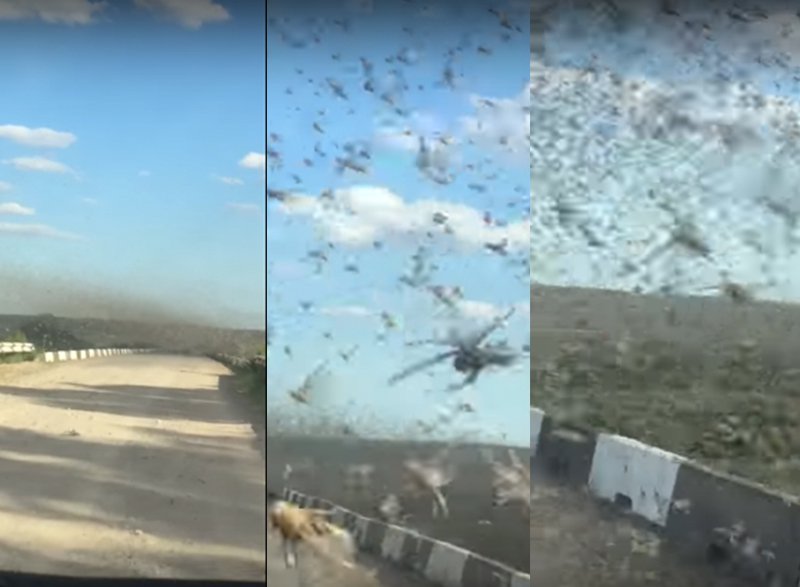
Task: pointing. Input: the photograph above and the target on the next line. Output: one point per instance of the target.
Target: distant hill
(50, 332)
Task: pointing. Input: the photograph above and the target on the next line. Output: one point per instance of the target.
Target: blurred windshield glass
(399, 243)
(664, 221)
(398, 171)
(132, 288)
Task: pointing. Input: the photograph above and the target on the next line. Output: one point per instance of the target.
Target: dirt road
(133, 466)
(577, 541)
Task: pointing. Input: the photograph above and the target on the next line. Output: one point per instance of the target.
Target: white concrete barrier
(66, 355)
(442, 564)
(83, 354)
(537, 418)
(624, 466)
(16, 347)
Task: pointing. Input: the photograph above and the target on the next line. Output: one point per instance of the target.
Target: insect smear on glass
(511, 483)
(390, 510)
(431, 476)
(470, 355)
(302, 394)
(311, 527)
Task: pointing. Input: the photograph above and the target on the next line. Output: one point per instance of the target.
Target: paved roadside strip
(439, 563)
(736, 529)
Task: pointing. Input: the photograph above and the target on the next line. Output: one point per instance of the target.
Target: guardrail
(358, 473)
(441, 563)
(83, 354)
(16, 347)
(703, 514)
(66, 355)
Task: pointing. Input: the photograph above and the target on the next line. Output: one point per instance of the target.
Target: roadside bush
(250, 373)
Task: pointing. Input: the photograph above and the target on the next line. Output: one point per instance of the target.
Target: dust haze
(82, 314)
(26, 293)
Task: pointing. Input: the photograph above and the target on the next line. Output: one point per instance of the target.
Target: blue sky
(698, 119)
(132, 148)
(476, 128)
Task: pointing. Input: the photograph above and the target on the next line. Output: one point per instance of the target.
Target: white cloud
(254, 160)
(467, 317)
(348, 311)
(12, 208)
(192, 14)
(36, 137)
(229, 180)
(5, 186)
(440, 149)
(51, 11)
(144, 173)
(244, 208)
(406, 138)
(89, 201)
(35, 230)
(360, 215)
(474, 310)
(38, 164)
(523, 307)
(502, 123)
(397, 139)
(478, 311)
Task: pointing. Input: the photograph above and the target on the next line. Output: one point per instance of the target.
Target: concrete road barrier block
(642, 476)
(82, 354)
(446, 564)
(537, 417)
(701, 511)
(441, 563)
(393, 542)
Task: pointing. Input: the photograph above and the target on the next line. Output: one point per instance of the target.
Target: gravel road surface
(577, 541)
(133, 466)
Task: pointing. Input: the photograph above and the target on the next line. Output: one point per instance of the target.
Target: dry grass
(739, 413)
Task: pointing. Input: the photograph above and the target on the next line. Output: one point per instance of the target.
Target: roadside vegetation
(739, 413)
(13, 358)
(250, 375)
